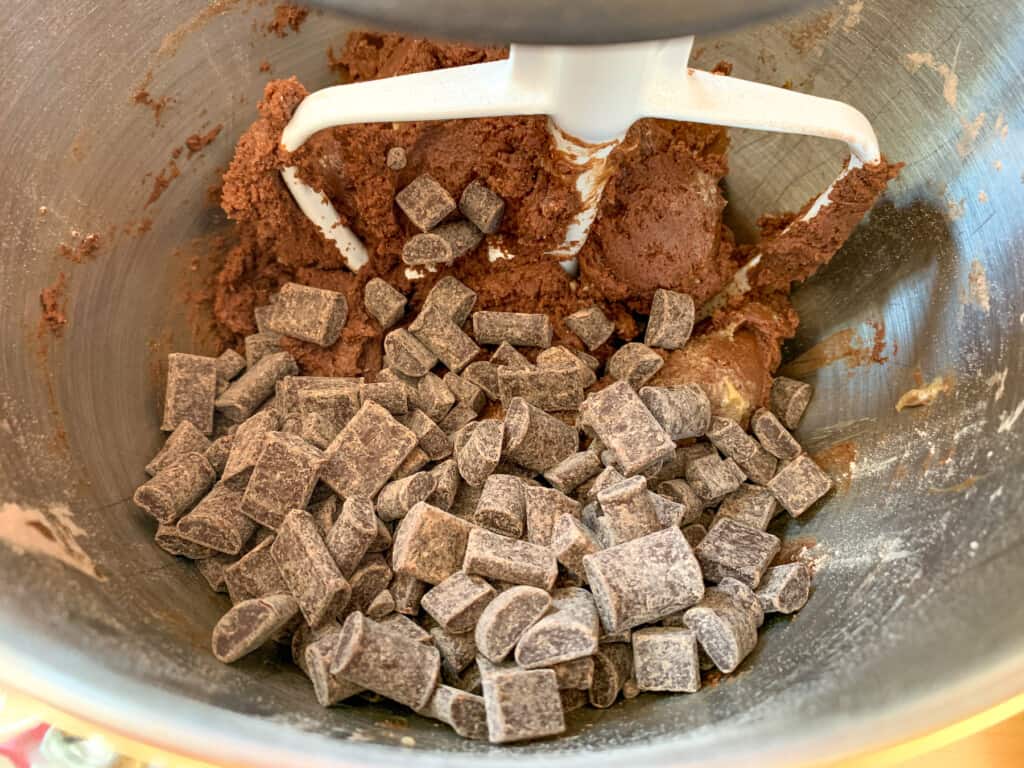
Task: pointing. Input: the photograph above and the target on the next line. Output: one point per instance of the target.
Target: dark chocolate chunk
(789, 399)
(680, 492)
(259, 345)
(775, 438)
(373, 656)
(665, 659)
(591, 325)
(711, 478)
(544, 506)
(502, 506)
(571, 541)
(366, 452)
(217, 522)
(574, 470)
(784, 588)
(407, 355)
(176, 488)
(511, 357)
(613, 666)
(452, 299)
(480, 453)
(399, 496)
(392, 396)
(751, 505)
(482, 206)
(184, 439)
(229, 364)
(447, 341)
(255, 574)
(644, 580)
(560, 357)
(734, 550)
(383, 302)
(432, 439)
(407, 591)
(535, 439)
(307, 568)
(628, 510)
(457, 602)
(570, 631)
(506, 617)
(494, 556)
(282, 479)
(370, 579)
(799, 484)
(671, 320)
(517, 328)
(250, 624)
(246, 393)
(425, 202)
(635, 364)
(683, 411)
(549, 389)
(430, 544)
(170, 540)
(191, 390)
(725, 622)
(619, 418)
(458, 650)
(315, 315)
(522, 704)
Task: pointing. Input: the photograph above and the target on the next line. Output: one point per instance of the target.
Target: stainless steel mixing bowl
(915, 620)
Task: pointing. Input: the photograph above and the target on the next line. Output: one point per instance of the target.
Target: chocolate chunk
(176, 487)
(516, 328)
(725, 622)
(577, 674)
(184, 439)
(711, 478)
(250, 624)
(482, 206)
(262, 316)
(507, 355)
(591, 325)
(560, 357)
(366, 452)
(432, 439)
(170, 540)
(729, 437)
(458, 649)
(373, 656)
(407, 591)
(619, 418)
(613, 666)
(433, 397)
(452, 299)
(683, 411)
(330, 689)
(447, 341)
(398, 497)
(457, 602)
(750, 505)
(212, 569)
(789, 399)
(428, 249)
(680, 492)
(191, 390)
(308, 569)
(494, 556)
(668, 513)
(466, 499)
(549, 389)
(694, 534)
(255, 574)
(784, 588)
(381, 605)
(568, 632)
(665, 659)
(732, 549)
(403, 625)
(396, 159)
(608, 477)
(282, 480)
(246, 393)
(671, 320)
(407, 355)
(522, 705)
(465, 391)
(430, 544)
(544, 506)
(628, 510)
(229, 364)
(383, 302)
(325, 508)
(370, 579)
(506, 617)
(349, 537)
(535, 439)
(799, 484)
(457, 418)
(502, 506)
(218, 451)
(644, 580)
(463, 712)
(392, 396)
(314, 315)
(478, 456)
(574, 470)
(259, 345)
(314, 429)
(634, 363)
(336, 398)
(447, 479)
(425, 202)
(217, 522)
(571, 541)
(462, 237)
(775, 438)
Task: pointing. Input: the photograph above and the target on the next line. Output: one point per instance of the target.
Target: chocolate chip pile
(492, 538)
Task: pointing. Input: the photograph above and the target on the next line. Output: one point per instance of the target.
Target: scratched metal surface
(914, 621)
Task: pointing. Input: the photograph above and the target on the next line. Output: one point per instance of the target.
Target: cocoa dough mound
(659, 224)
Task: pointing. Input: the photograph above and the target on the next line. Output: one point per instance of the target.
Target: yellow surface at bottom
(991, 739)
